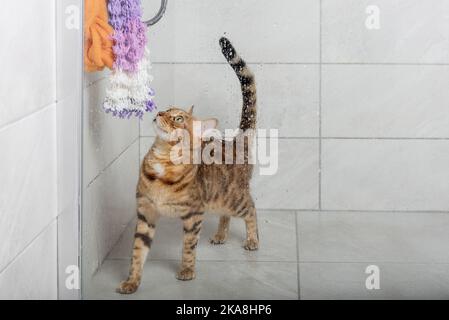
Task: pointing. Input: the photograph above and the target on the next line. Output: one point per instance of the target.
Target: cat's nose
(160, 113)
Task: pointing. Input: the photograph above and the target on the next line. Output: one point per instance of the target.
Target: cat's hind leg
(248, 213)
(192, 227)
(222, 232)
(143, 237)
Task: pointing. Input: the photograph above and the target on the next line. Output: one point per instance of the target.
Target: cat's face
(166, 122)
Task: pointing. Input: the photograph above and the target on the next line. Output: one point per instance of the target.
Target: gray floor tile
(374, 236)
(277, 234)
(215, 280)
(397, 281)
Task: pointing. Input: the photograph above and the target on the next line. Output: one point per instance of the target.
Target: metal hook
(158, 15)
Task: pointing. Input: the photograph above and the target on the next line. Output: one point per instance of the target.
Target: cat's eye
(178, 119)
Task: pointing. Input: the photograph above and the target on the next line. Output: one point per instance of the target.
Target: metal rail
(158, 15)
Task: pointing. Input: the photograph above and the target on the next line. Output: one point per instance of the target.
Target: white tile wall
(287, 95)
(189, 69)
(145, 145)
(110, 171)
(69, 60)
(68, 141)
(69, 64)
(295, 184)
(68, 248)
(28, 59)
(164, 87)
(385, 174)
(108, 207)
(94, 77)
(190, 30)
(32, 275)
(39, 105)
(411, 31)
(385, 101)
(28, 175)
(105, 136)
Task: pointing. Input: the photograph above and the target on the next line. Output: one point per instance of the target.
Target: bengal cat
(187, 191)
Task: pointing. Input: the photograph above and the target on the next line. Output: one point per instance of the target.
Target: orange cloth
(98, 33)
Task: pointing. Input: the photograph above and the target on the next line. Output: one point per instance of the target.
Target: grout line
(80, 204)
(350, 138)
(304, 63)
(28, 245)
(90, 84)
(298, 274)
(13, 122)
(339, 211)
(320, 108)
(106, 256)
(112, 161)
(293, 262)
(202, 260)
(385, 138)
(225, 63)
(58, 269)
(374, 261)
(138, 158)
(57, 169)
(386, 63)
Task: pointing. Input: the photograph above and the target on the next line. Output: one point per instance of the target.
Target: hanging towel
(130, 33)
(129, 92)
(98, 51)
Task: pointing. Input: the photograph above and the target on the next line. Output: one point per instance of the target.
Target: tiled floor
(306, 255)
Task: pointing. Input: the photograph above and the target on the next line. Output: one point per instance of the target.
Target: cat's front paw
(218, 239)
(251, 244)
(185, 274)
(127, 287)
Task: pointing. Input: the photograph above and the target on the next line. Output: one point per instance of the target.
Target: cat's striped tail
(248, 85)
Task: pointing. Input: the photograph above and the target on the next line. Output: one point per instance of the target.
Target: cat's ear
(208, 124)
(190, 110)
